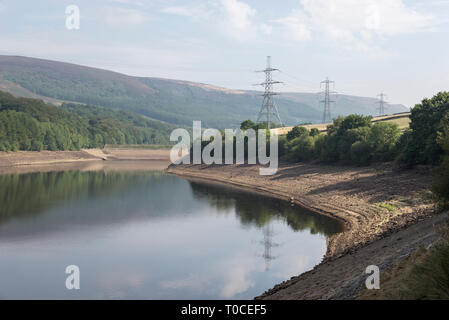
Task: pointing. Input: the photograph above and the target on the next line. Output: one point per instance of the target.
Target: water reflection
(146, 234)
(259, 211)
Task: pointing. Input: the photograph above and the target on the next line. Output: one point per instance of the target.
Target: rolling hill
(173, 101)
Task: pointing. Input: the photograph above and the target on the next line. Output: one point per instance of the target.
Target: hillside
(173, 101)
(31, 124)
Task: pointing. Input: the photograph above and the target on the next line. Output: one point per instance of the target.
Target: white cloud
(203, 11)
(233, 17)
(192, 281)
(180, 11)
(266, 29)
(128, 2)
(239, 14)
(293, 266)
(354, 22)
(296, 29)
(237, 281)
(118, 16)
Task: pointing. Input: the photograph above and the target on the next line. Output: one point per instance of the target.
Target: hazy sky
(366, 46)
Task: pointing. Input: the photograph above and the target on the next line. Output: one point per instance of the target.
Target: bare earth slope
(377, 204)
(32, 161)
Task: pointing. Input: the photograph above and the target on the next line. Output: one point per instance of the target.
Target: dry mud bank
(86, 159)
(387, 214)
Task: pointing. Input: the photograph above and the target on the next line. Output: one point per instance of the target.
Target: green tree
(352, 121)
(422, 145)
(314, 132)
(440, 184)
(247, 124)
(30, 124)
(360, 152)
(297, 132)
(302, 148)
(382, 139)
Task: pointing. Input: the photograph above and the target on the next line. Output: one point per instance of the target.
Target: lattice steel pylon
(381, 103)
(327, 101)
(269, 108)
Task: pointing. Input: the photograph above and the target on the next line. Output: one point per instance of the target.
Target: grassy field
(402, 120)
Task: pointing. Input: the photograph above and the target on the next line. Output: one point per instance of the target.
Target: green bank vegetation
(389, 207)
(30, 124)
(351, 140)
(423, 275)
(355, 140)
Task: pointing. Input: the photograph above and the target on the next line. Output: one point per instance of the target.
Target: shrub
(282, 146)
(430, 278)
(360, 152)
(347, 138)
(302, 148)
(297, 132)
(382, 139)
(314, 132)
(440, 184)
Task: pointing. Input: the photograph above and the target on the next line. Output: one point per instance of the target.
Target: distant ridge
(174, 101)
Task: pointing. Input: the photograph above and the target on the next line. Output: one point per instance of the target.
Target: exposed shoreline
(386, 214)
(85, 159)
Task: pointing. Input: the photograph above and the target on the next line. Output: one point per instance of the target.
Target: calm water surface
(148, 235)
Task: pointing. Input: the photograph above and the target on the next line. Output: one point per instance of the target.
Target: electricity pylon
(268, 244)
(381, 103)
(269, 108)
(327, 101)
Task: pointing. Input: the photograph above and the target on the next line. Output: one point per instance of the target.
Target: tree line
(355, 140)
(31, 124)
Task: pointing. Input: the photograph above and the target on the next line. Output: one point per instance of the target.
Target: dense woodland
(30, 124)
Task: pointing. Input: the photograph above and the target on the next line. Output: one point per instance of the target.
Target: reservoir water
(148, 235)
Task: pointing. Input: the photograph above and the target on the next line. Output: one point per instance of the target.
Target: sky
(400, 47)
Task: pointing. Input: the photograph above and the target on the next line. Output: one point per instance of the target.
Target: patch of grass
(387, 206)
(428, 279)
(403, 123)
(423, 275)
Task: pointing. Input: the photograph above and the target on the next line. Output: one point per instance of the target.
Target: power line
(269, 108)
(327, 101)
(296, 78)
